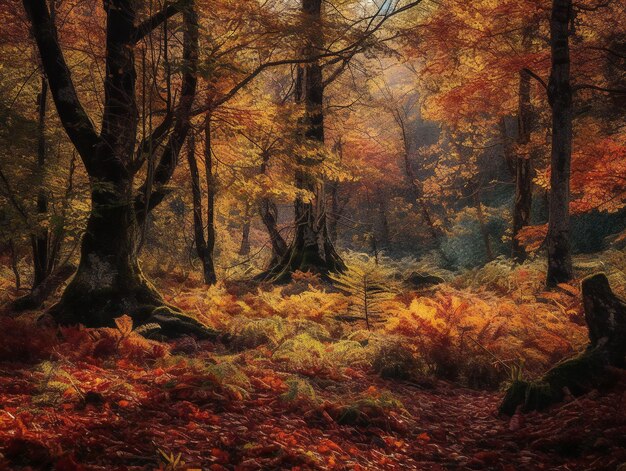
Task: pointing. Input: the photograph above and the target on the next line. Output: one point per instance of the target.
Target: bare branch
(148, 25)
(614, 91)
(536, 77)
(77, 124)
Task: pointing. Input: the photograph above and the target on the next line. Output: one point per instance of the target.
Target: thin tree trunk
(244, 247)
(335, 211)
(335, 207)
(210, 277)
(417, 192)
(523, 169)
(196, 193)
(14, 263)
(40, 241)
(483, 227)
(384, 222)
(560, 98)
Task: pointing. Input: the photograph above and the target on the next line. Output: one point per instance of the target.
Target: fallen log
(605, 315)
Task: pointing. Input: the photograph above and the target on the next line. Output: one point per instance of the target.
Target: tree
(560, 99)
(311, 248)
(109, 281)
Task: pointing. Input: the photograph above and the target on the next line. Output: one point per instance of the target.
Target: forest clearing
(312, 234)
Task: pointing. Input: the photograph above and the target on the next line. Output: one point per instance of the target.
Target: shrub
(394, 360)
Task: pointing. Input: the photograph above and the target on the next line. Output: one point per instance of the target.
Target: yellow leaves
(532, 237)
(422, 310)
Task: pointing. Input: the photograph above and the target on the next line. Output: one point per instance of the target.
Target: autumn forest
(312, 234)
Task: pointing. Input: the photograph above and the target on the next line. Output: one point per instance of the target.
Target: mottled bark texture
(523, 168)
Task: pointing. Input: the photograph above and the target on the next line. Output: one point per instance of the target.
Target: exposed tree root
(100, 306)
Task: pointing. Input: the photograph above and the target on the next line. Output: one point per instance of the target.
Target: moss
(579, 375)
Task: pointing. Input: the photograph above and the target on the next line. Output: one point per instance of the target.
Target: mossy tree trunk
(109, 282)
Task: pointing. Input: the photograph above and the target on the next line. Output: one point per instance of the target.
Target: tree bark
(40, 241)
(311, 249)
(210, 277)
(244, 247)
(269, 215)
(523, 169)
(335, 207)
(196, 191)
(560, 98)
(43, 290)
(14, 265)
(108, 281)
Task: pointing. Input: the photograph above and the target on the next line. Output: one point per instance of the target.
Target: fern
(55, 384)
(368, 284)
(299, 390)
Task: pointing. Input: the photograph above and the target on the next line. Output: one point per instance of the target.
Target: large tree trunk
(560, 98)
(109, 282)
(523, 169)
(311, 249)
(269, 216)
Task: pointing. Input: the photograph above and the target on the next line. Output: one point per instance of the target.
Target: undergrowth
(479, 328)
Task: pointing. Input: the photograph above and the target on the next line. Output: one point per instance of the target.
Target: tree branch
(148, 199)
(147, 26)
(77, 124)
(536, 77)
(584, 86)
(344, 54)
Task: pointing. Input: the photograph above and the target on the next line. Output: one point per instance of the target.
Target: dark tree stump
(605, 315)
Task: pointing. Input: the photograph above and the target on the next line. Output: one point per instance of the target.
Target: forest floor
(440, 427)
(290, 387)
